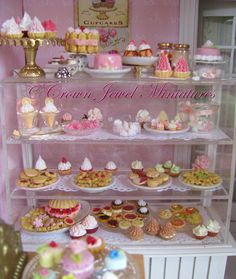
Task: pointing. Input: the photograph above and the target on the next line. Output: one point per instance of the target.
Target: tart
(152, 227)
(130, 216)
(136, 233)
(179, 215)
(96, 210)
(63, 208)
(128, 208)
(190, 210)
(194, 219)
(103, 218)
(117, 204)
(143, 212)
(178, 223)
(138, 223)
(176, 207)
(141, 203)
(124, 224)
(165, 214)
(112, 223)
(95, 244)
(107, 210)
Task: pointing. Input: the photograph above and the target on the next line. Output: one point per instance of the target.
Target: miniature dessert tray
(107, 73)
(139, 61)
(131, 271)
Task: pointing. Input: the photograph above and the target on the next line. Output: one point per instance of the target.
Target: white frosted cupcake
(77, 231)
(111, 167)
(200, 232)
(64, 167)
(90, 224)
(86, 165)
(40, 164)
(213, 228)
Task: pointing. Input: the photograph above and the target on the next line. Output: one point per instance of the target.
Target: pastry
(90, 224)
(31, 172)
(131, 49)
(77, 231)
(96, 244)
(36, 30)
(93, 179)
(143, 117)
(141, 203)
(95, 114)
(86, 165)
(50, 29)
(137, 167)
(96, 3)
(109, 275)
(176, 207)
(165, 214)
(27, 115)
(93, 41)
(167, 231)
(130, 216)
(154, 182)
(103, 218)
(152, 173)
(49, 113)
(116, 260)
(163, 68)
(167, 166)
(138, 223)
(64, 167)
(66, 118)
(82, 127)
(194, 219)
(143, 212)
(25, 23)
(112, 223)
(124, 224)
(159, 168)
(13, 30)
(50, 174)
(152, 227)
(213, 228)
(107, 210)
(111, 166)
(96, 210)
(63, 208)
(126, 129)
(202, 162)
(201, 178)
(108, 61)
(144, 49)
(178, 223)
(128, 208)
(49, 254)
(174, 171)
(39, 179)
(200, 232)
(190, 210)
(44, 273)
(77, 261)
(182, 69)
(117, 204)
(136, 233)
(40, 164)
(179, 215)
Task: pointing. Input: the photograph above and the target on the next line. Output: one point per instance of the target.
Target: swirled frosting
(40, 164)
(86, 165)
(90, 222)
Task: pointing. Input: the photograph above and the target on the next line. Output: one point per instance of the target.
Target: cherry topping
(53, 244)
(91, 240)
(64, 160)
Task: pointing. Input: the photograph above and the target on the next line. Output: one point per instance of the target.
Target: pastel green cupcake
(167, 166)
(174, 171)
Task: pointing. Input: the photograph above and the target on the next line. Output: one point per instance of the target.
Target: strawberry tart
(182, 68)
(163, 68)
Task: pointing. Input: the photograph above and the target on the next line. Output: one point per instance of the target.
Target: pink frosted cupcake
(86, 165)
(50, 29)
(36, 30)
(77, 231)
(90, 224)
(64, 167)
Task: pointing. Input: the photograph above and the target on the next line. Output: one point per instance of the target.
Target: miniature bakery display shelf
(30, 46)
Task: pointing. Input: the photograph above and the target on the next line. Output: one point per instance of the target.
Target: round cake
(116, 260)
(208, 52)
(63, 208)
(108, 61)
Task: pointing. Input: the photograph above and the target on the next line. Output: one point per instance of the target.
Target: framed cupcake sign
(103, 13)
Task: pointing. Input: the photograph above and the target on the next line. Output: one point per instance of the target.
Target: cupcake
(143, 117)
(86, 165)
(141, 203)
(167, 166)
(159, 168)
(40, 164)
(167, 231)
(117, 204)
(77, 231)
(50, 29)
(66, 118)
(152, 227)
(200, 232)
(13, 31)
(64, 167)
(111, 167)
(143, 212)
(90, 224)
(25, 23)
(131, 49)
(213, 228)
(174, 171)
(95, 244)
(144, 49)
(137, 167)
(36, 30)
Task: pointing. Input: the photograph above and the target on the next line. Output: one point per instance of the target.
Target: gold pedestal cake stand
(102, 12)
(30, 46)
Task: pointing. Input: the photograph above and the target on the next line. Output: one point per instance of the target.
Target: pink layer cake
(108, 61)
(208, 53)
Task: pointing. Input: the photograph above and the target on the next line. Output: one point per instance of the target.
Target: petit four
(77, 260)
(95, 244)
(44, 273)
(141, 203)
(143, 212)
(82, 127)
(200, 232)
(117, 204)
(136, 233)
(143, 117)
(167, 231)
(90, 224)
(194, 219)
(152, 227)
(128, 208)
(138, 223)
(64, 167)
(66, 118)
(176, 207)
(77, 231)
(50, 254)
(116, 260)
(130, 216)
(112, 223)
(124, 224)
(213, 227)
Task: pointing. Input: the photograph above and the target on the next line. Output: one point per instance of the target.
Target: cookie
(23, 183)
(40, 179)
(50, 174)
(23, 176)
(31, 172)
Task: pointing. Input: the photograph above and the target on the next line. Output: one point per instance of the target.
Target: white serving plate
(196, 187)
(98, 73)
(147, 128)
(149, 189)
(92, 190)
(40, 188)
(139, 61)
(84, 211)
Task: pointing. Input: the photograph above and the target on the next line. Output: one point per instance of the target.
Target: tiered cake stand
(30, 46)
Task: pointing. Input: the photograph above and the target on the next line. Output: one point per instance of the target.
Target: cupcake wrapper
(65, 172)
(200, 237)
(90, 231)
(165, 74)
(212, 234)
